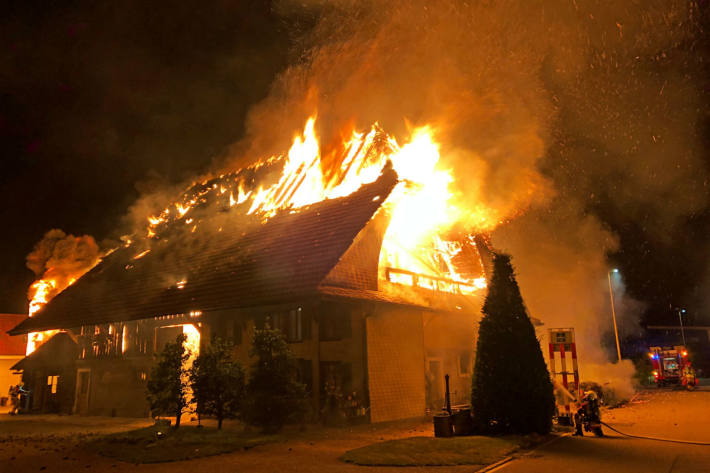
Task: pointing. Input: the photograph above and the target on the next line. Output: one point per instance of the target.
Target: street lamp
(680, 318)
(613, 312)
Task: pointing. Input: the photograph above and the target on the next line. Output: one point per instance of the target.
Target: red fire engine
(671, 366)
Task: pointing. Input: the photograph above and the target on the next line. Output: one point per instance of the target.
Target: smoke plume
(548, 111)
(61, 258)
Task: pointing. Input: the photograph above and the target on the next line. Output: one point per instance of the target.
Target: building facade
(367, 348)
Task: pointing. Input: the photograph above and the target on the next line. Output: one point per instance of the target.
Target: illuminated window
(52, 381)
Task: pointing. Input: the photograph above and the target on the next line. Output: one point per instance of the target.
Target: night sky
(101, 102)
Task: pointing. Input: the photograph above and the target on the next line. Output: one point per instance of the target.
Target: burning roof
(275, 230)
(262, 263)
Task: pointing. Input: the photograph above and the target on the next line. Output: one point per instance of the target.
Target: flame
(44, 290)
(182, 209)
(422, 208)
(141, 254)
(192, 341)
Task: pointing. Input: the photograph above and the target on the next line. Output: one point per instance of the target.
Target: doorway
(83, 387)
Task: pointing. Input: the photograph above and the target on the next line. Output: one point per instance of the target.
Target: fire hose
(690, 442)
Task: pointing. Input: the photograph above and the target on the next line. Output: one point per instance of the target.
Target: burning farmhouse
(350, 252)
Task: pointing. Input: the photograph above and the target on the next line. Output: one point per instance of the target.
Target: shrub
(217, 382)
(167, 386)
(274, 396)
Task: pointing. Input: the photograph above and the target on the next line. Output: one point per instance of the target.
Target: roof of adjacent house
(245, 264)
(10, 345)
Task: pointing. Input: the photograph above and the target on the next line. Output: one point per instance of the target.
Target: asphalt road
(667, 413)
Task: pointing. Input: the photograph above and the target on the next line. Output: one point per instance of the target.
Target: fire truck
(671, 366)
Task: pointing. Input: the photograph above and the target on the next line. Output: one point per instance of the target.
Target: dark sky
(100, 101)
(103, 101)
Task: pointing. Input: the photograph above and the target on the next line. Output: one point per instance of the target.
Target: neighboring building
(375, 349)
(12, 350)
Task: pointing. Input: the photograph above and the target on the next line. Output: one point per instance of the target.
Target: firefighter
(588, 415)
(14, 394)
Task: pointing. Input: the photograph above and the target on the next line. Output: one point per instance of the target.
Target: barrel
(462, 422)
(442, 425)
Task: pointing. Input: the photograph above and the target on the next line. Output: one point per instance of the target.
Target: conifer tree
(217, 382)
(274, 396)
(167, 386)
(512, 391)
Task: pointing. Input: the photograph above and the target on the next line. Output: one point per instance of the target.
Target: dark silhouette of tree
(512, 391)
(274, 396)
(217, 382)
(167, 386)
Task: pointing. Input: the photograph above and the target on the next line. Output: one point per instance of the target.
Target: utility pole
(613, 312)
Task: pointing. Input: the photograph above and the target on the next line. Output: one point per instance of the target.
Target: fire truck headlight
(685, 353)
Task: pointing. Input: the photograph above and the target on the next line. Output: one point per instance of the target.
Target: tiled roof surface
(285, 258)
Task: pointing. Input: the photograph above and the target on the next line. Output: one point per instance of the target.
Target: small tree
(274, 396)
(512, 391)
(167, 386)
(217, 382)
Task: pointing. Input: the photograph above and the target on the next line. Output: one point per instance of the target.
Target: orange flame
(422, 208)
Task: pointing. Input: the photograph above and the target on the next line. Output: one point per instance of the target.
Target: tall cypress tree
(512, 391)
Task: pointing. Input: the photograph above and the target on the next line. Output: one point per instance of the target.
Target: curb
(494, 466)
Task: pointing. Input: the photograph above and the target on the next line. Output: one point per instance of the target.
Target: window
(293, 324)
(227, 328)
(465, 363)
(335, 324)
(52, 381)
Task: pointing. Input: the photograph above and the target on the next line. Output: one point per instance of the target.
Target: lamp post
(680, 318)
(613, 311)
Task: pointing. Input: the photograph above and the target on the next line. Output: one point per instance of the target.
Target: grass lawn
(145, 446)
(432, 451)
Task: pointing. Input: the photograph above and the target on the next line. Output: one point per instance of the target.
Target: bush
(217, 382)
(512, 392)
(274, 396)
(167, 386)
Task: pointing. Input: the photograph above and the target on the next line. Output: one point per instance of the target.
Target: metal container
(442, 425)
(462, 422)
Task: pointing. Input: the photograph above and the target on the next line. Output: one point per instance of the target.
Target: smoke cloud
(551, 113)
(62, 258)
